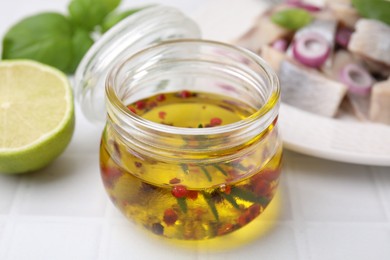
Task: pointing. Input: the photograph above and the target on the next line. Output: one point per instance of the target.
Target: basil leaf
(81, 42)
(373, 9)
(90, 13)
(110, 4)
(114, 18)
(292, 18)
(45, 37)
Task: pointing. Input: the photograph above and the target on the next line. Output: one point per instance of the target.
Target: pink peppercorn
(179, 191)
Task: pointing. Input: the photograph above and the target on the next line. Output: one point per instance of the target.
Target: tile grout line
(65, 219)
(349, 224)
(380, 191)
(297, 216)
(103, 244)
(10, 220)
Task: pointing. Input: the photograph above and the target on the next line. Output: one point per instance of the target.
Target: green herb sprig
(62, 40)
(373, 9)
(230, 197)
(292, 18)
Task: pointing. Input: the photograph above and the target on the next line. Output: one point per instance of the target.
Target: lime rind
(51, 144)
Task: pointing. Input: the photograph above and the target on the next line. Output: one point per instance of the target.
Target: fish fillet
(380, 102)
(264, 32)
(310, 90)
(360, 105)
(340, 59)
(371, 40)
(345, 13)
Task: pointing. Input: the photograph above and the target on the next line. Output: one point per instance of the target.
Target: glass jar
(190, 148)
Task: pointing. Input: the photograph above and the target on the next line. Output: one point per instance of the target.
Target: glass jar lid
(136, 32)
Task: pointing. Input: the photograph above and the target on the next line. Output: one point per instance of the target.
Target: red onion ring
(280, 45)
(311, 49)
(358, 79)
(343, 36)
(300, 4)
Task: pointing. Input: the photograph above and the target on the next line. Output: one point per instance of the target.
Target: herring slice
(340, 59)
(360, 106)
(344, 12)
(263, 33)
(310, 90)
(380, 102)
(371, 40)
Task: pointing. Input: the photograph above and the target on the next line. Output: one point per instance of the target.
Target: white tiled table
(327, 210)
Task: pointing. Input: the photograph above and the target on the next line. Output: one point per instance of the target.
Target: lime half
(36, 115)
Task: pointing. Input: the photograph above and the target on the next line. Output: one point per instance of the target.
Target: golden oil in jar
(198, 199)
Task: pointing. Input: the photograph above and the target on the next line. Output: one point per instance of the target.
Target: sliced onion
(311, 49)
(357, 79)
(280, 45)
(302, 5)
(343, 36)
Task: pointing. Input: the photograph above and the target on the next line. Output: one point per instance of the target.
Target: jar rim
(265, 113)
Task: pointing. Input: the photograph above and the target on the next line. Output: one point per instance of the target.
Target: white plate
(334, 139)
